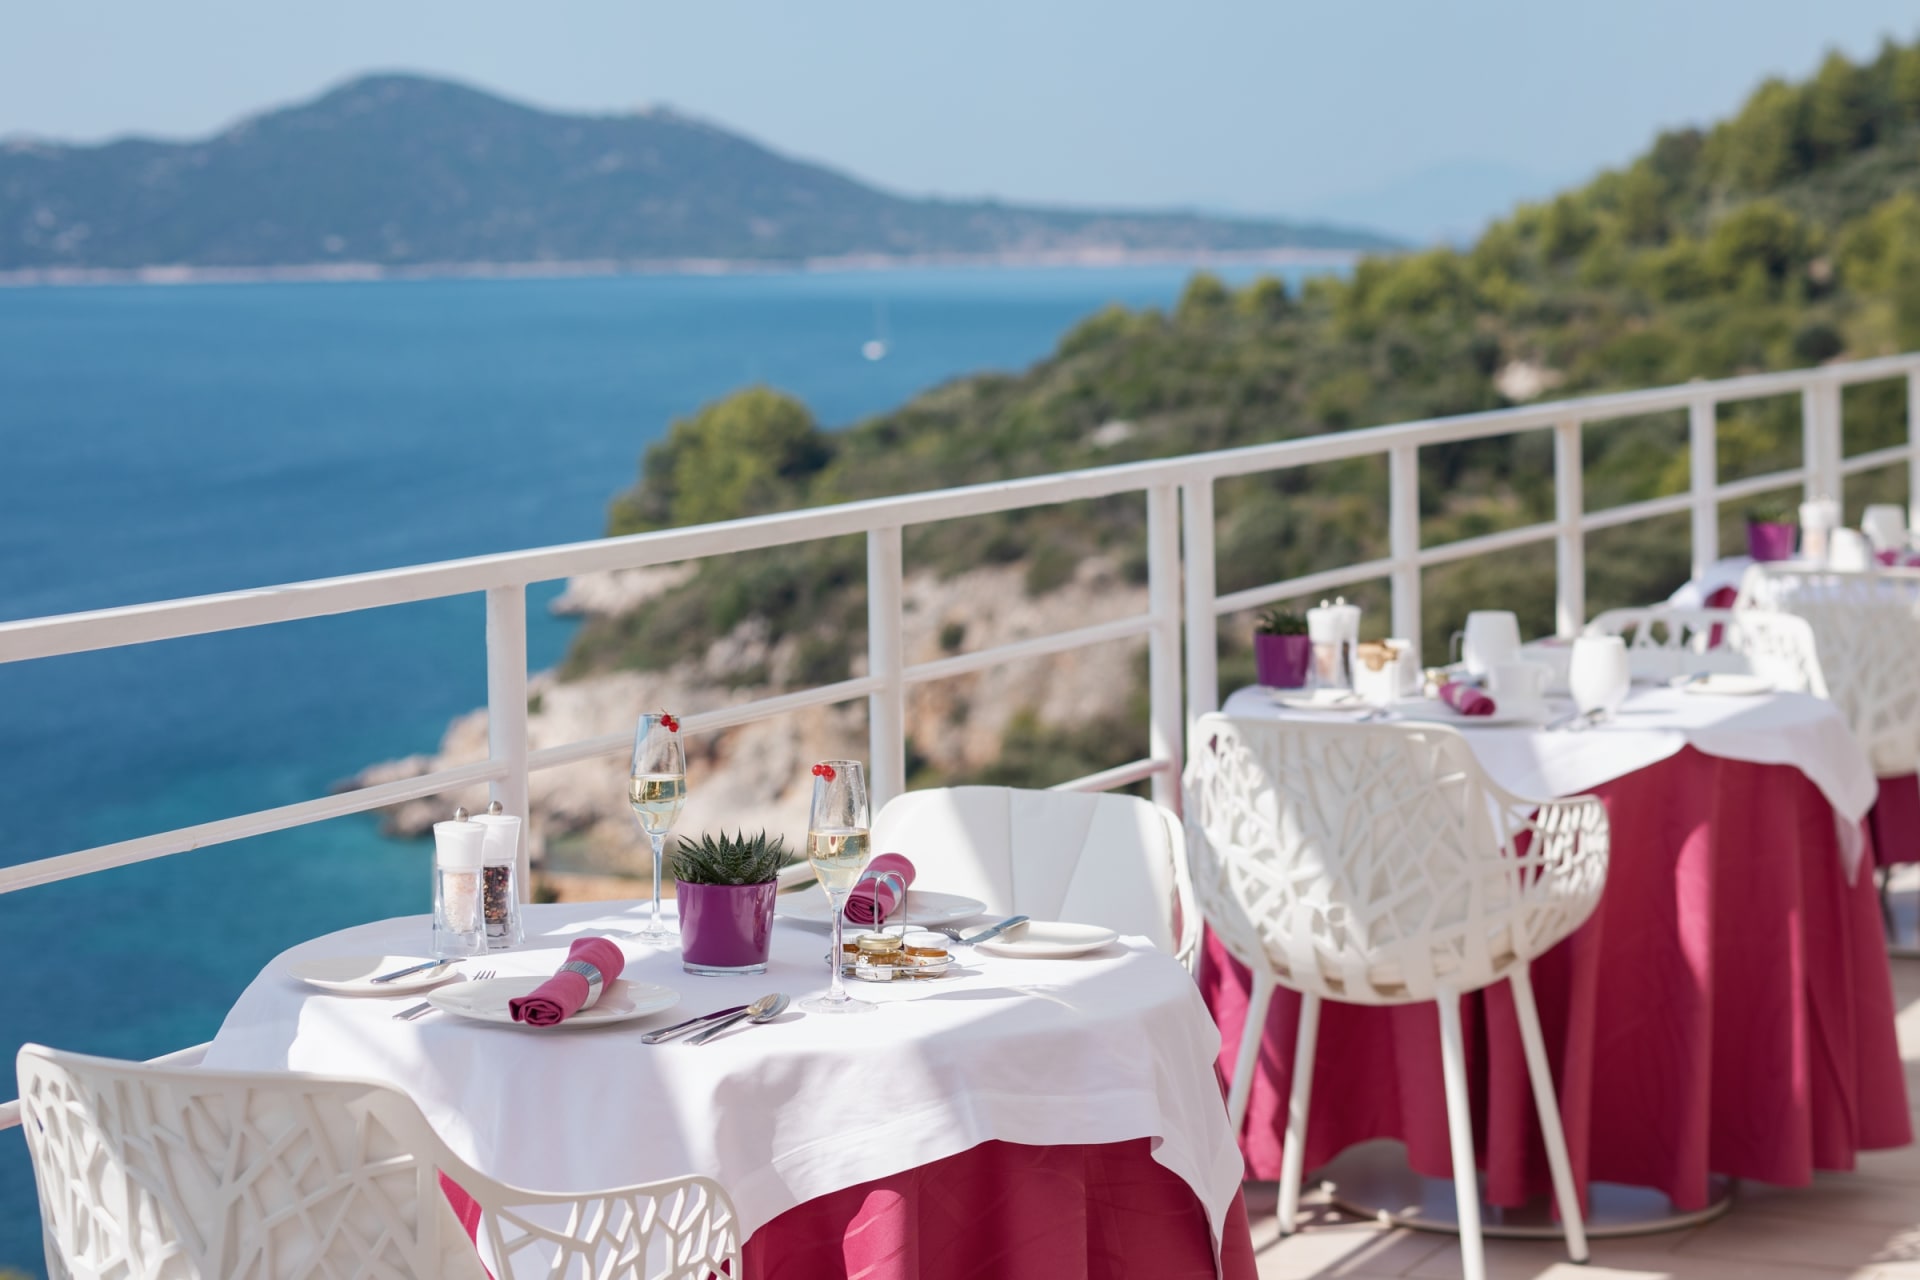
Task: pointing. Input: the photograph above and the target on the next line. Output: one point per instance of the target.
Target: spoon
(765, 1009)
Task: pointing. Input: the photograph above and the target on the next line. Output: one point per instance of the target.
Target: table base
(1373, 1180)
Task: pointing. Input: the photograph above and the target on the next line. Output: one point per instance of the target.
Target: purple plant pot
(1769, 541)
(725, 928)
(1281, 662)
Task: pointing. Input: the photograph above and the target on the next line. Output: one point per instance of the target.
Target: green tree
(1762, 239)
(745, 454)
(1205, 298)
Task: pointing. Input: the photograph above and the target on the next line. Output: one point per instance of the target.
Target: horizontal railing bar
(191, 1056)
(1875, 458)
(1118, 776)
(1305, 585)
(1037, 647)
(1464, 548)
(170, 619)
(1734, 489)
(1628, 513)
(183, 839)
(610, 744)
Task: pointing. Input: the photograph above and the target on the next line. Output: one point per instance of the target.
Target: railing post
(886, 705)
(507, 714)
(1203, 630)
(1820, 438)
(1913, 448)
(1403, 540)
(1570, 543)
(1703, 464)
(1166, 727)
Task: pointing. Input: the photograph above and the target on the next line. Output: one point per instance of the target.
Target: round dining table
(1726, 1012)
(1021, 1118)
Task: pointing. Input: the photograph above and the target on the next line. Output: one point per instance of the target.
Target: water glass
(1491, 638)
(1599, 675)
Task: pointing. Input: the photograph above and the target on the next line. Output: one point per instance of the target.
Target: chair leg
(1548, 1104)
(1250, 1036)
(1298, 1102)
(1466, 1180)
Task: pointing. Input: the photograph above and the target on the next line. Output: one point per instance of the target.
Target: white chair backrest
(176, 1173)
(1111, 860)
(1376, 864)
(1866, 627)
(1777, 646)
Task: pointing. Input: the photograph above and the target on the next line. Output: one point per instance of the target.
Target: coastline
(361, 272)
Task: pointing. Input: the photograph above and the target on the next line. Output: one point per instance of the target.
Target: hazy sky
(1264, 107)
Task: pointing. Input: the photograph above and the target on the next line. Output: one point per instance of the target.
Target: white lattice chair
(1110, 860)
(175, 1173)
(1378, 864)
(1866, 627)
(1778, 646)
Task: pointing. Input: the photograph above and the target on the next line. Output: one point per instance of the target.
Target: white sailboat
(875, 348)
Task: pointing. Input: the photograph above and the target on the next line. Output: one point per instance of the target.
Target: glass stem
(659, 845)
(836, 990)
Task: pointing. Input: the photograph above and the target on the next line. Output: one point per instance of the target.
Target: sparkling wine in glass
(838, 847)
(657, 788)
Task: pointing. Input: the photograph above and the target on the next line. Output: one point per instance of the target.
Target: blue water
(162, 442)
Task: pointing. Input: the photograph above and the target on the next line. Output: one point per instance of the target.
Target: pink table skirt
(1728, 1009)
(1894, 821)
(1000, 1209)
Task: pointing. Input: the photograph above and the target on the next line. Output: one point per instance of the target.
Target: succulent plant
(1281, 622)
(731, 859)
(1780, 511)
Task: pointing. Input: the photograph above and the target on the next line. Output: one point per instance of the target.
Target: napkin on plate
(569, 991)
(1466, 699)
(860, 903)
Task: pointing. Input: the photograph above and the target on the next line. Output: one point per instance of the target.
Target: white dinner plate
(924, 907)
(1435, 710)
(622, 1001)
(1736, 684)
(1326, 701)
(1047, 940)
(353, 975)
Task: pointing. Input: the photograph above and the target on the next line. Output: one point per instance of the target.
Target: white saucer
(924, 907)
(353, 975)
(1047, 940)
(1323, 701)
(1734, 684)
(622, 1001)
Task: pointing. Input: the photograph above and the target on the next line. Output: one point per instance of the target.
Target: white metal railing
(1179, 494)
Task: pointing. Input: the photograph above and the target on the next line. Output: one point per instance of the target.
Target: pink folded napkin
(861, 904)
(573, 988)
(1902, 559)
(1466, 699)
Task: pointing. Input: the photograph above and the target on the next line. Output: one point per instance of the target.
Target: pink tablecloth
(1727, 1009)
(1895, 821)
(1013, 1212)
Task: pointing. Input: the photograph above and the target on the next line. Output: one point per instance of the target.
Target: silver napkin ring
(595, 979)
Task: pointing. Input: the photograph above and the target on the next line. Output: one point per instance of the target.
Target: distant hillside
(403, 171)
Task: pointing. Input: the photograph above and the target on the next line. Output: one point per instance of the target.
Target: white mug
(1492, 637)
(1518, 688)
(1598, 676)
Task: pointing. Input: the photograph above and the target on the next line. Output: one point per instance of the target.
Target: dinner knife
(416, 968)
(668, 1033)
(996, 931)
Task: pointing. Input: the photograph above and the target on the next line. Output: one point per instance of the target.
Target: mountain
(403, 171)
(1448, 203)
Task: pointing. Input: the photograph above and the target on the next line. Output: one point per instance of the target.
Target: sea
(167, 441)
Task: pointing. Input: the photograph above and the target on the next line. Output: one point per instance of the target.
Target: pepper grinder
(459, 927)
(500, 859)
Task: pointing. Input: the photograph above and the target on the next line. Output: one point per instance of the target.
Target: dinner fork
(426, 1006)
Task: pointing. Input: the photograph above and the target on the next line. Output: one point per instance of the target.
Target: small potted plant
(1772, 531)
(1282, 652)
(725, 885)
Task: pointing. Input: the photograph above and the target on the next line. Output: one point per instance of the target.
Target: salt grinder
(458, 923)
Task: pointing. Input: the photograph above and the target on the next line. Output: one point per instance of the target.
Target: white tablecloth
(1777, 728)
(1105, 1048)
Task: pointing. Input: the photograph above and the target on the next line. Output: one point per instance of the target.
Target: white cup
(1518, 688)
(1492, 637)
(1849, 551)
(1599, 676)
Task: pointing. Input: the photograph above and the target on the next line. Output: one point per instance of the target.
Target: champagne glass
(838, 847)
(656, 788)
